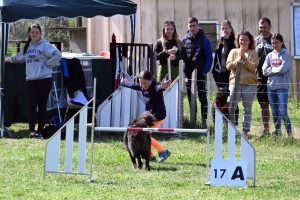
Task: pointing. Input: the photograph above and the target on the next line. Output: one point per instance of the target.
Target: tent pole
(44, 31)
(4, 37)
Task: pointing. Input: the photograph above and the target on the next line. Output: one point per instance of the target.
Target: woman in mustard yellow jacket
(245, 53)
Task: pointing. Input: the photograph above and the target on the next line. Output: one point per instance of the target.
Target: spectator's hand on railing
(123, 80)
(172, 51)
(165, 84)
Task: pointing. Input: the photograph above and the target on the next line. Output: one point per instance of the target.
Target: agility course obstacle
(125, 104)
(52, 158)
(220, 171)
(230, 171)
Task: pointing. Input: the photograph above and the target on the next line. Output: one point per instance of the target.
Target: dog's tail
(148, 118)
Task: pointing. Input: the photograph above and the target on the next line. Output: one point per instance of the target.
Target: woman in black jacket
(226, 43)
(164, 50)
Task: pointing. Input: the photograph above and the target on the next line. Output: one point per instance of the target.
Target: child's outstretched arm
(123, 79)
(128, 84)
(165, 84)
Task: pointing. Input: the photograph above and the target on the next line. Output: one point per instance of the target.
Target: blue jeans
(278, 101)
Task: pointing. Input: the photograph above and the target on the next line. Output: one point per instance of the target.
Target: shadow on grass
(111, 137)
(188, 164)
(272, 140)
(167, 167)
(21, 134)
(162, 168)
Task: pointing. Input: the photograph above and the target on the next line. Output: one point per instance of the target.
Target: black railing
(140, 56)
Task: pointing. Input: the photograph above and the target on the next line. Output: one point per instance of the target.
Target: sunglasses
(169, 22)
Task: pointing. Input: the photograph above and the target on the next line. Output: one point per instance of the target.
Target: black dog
(138, 143)
(221, 102)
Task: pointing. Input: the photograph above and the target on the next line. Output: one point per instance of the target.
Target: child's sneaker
(163, 156)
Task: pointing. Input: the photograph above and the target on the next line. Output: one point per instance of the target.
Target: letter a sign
(238, 173)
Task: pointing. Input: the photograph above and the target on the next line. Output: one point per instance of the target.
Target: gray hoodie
(39, 58)
(277, 68)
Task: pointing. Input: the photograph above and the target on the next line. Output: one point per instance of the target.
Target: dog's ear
(226, 89)
(133, 123)
(147, 118)
(220, 89)
(150, 119)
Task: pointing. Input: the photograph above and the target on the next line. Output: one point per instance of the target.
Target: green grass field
(182, 176)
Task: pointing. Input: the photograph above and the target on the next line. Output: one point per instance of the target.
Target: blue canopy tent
(14, 10)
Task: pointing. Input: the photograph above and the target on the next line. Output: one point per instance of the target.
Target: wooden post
(193, 106)
(181, 95)
(233, 99)
(79, 22)
(112, 50)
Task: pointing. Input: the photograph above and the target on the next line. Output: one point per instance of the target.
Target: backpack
(50, 130)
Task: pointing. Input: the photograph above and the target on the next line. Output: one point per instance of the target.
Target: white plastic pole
(92, 132)
(208, 134)
(57, 101)
(181, 94)
(169, 68)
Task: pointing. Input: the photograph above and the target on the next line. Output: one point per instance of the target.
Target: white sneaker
(80, 98)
